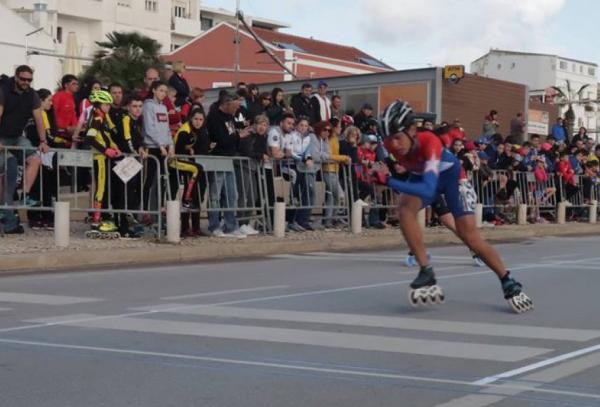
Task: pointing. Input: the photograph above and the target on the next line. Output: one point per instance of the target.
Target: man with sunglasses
(19, 103)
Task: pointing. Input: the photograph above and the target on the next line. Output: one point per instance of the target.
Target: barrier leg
(593, 211)
(173, 221)
(279, 219)
(479, 215)
(61, 224)
(357, 215)
(561, 213)
(522, 215)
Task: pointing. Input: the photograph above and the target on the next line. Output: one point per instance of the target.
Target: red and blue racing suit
(434, 173)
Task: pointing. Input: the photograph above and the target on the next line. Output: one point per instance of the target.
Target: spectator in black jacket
(321, 104)
(366, 112)
(252, 103)
(255, 148)
(277, 108)
(179, 83)
(222, 184)
(301, 104)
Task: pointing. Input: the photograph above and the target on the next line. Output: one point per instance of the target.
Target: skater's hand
(44, 148)
(143, 153)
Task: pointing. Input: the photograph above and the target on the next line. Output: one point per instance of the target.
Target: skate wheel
(520, 303)
(426, 296)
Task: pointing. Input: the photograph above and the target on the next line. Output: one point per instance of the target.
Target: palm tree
(566, 97)
(124, 58)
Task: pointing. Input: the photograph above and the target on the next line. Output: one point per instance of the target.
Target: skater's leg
(468, 233)
(408, 209)
(448, 221)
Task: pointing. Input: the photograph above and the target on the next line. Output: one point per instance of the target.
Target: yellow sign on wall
(454, 73)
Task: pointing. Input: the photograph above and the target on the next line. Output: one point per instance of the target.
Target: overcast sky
(414, 33)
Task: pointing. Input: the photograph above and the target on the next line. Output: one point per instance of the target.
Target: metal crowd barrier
(309, 192)
(66, 173)
(219, 185)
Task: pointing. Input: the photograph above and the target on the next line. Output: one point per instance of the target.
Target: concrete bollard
(357, 214)
(421, 218)
(522, 215)
(479, 215)
(279, 219)
(62, 223)
(593, 211)
(561, 213)
(173, 221)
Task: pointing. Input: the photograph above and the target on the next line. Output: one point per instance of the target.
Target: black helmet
(396, 117)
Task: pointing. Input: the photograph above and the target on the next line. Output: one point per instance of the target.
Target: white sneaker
(218, 233)
(248, 230)
(238, 234)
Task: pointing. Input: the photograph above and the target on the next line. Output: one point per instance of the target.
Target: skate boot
(411, 260)
(424, 289)
(109, 230)
(513, 294)
(477, 260)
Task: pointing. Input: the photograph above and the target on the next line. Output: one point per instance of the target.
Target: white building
(15, 43)
(171, 22)
(541, 71)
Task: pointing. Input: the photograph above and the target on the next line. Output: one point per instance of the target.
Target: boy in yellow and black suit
(185, 140)
(99, 136)
(129, 140)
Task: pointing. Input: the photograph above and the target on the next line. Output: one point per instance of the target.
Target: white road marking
(417, 324)
(242, 290)
(498, 392)
(43, 299)
(302, 368)
(300, 294)
(538, 365)
(305, 337)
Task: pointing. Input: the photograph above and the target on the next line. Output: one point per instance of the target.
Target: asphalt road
(325, 329)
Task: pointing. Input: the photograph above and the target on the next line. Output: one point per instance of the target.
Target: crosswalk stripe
(461, 260)
(237, 291)
(463, 350)
(43, 299)
(433, 325)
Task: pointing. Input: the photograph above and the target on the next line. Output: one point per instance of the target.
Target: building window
(563, 65)
(152, 5)
(574, 68)
(499, 66)
(206, 23)
(174, 47)
(591, 71)
(180, 11)
(512, 66)
(59, 35)
(124, 3)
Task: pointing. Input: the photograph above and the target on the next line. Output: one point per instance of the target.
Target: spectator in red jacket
(456, 132)
(63, 102)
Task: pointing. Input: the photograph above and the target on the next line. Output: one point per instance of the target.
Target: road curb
(57, 260)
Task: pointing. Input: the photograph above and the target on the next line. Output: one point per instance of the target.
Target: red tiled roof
(315, 47)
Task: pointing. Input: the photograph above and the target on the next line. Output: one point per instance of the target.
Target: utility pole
(236, 66)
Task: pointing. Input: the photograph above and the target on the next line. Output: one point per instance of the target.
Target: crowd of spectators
(310, 139)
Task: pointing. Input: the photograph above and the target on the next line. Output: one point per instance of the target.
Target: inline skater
(434, 171)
